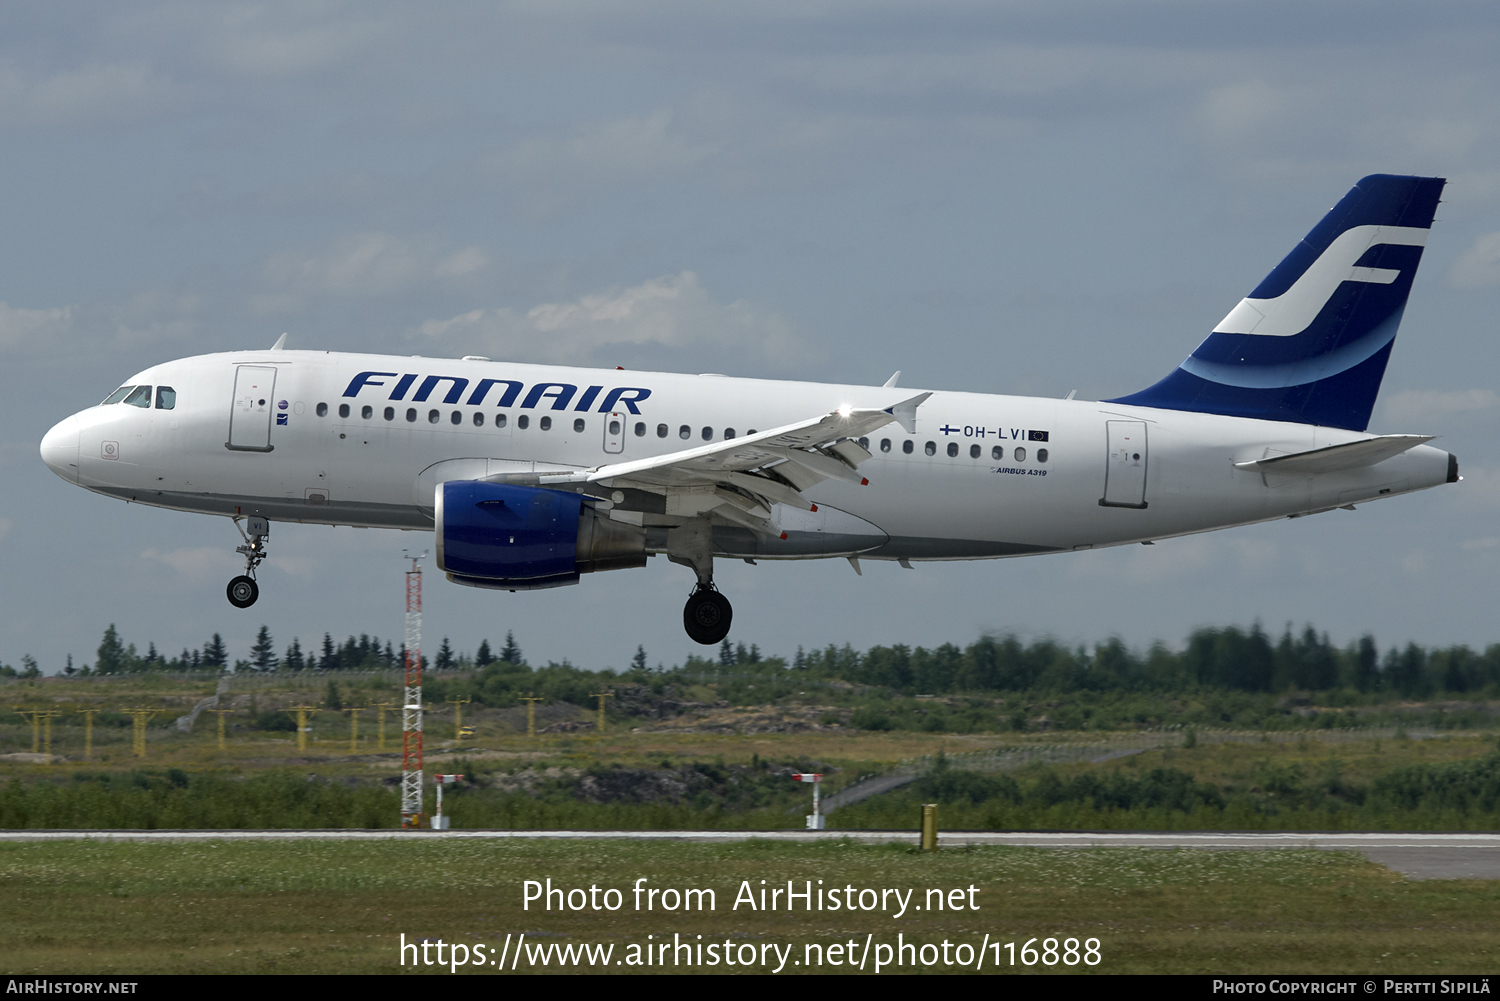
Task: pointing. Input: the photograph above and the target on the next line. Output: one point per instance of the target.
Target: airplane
(530, 476)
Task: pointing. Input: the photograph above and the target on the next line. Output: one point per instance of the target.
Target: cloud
(362, 265)
(197, 564)
(673, 311)
(106, 93)
(1479, 266)
(22, 329)
(58, 331)
(555, 172)
(1417, 406)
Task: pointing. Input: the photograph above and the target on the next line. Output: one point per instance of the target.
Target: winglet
(906, 411)
(891, 382)
(280, 343)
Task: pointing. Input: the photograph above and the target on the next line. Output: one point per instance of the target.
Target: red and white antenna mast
(411, 702)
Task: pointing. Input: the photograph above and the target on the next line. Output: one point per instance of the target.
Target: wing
(741, 479)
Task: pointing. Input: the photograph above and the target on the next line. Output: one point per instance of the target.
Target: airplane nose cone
(60, 449)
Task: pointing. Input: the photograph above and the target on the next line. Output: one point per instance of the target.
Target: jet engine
(516, 538)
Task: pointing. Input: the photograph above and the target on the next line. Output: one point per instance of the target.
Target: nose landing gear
(243, 590)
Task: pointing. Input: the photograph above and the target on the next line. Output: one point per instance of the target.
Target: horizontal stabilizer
(1351, 455)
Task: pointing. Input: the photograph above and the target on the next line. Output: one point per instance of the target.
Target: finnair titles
(530, 476)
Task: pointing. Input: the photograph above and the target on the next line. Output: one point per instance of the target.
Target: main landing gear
(707, 615)
(243, 590)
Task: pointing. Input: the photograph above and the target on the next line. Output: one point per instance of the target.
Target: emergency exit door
(250, 415)
(1125, 468)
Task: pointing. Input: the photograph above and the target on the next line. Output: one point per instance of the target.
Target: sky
(1009, 197)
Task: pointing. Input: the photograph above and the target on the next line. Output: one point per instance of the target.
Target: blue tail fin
(1310, 344)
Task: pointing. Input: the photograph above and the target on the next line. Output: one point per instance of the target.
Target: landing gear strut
(707, 615)
(243, 590)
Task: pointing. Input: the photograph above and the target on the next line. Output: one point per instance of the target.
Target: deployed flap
(1351, 455)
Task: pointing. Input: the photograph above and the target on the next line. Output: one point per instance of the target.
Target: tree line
(1228, 658)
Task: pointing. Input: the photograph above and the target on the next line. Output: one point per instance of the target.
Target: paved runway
(1417, 856)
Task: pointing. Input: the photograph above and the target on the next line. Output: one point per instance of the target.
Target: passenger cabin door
(250, 416)
(1125, 469)
(614, 432)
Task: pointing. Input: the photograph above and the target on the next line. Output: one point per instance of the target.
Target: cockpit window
(166, 397)
(140, 396)
(117, 395)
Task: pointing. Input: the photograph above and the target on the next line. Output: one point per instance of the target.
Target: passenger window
(390, 413)
(479, 418)
(885, 444)
(661, 430)
(728, 433)
(1019, 454)
(367, 413)
(139, 397)
(117, 395)
(751, 431)
(499, 420)
(614, 427)
(864, 443)
(953, 450)
(973, 451)
(343, 410)
(997, 452)
(906, 446)
(930, 448)
(1041, 455)
(455, 418)
(322, 410)
(433, 417)
(166, 398)
(522, 422)
(708, 434)
(640, 429)
(411, 415)
(546, 424)
(578, 425)
(684, 432)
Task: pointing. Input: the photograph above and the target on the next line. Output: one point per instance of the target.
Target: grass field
(215, 907)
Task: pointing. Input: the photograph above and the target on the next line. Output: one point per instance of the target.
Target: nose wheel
(242, 591)
(707, 615)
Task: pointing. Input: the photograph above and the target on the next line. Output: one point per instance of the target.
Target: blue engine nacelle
(521, 538)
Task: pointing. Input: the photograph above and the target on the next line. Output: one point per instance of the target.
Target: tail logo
(1294, 310)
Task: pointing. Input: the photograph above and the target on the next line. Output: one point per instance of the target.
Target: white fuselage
(1110, 474)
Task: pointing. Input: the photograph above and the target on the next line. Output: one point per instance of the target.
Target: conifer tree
(110, 658)
(214, 654)
(444, 660)
(263, 651)
(482, 656)
(511, 654)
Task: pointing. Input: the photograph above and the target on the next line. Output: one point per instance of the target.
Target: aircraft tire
(242, 592)
(707, 616)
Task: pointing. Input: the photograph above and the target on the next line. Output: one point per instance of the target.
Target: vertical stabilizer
(1310, 344)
